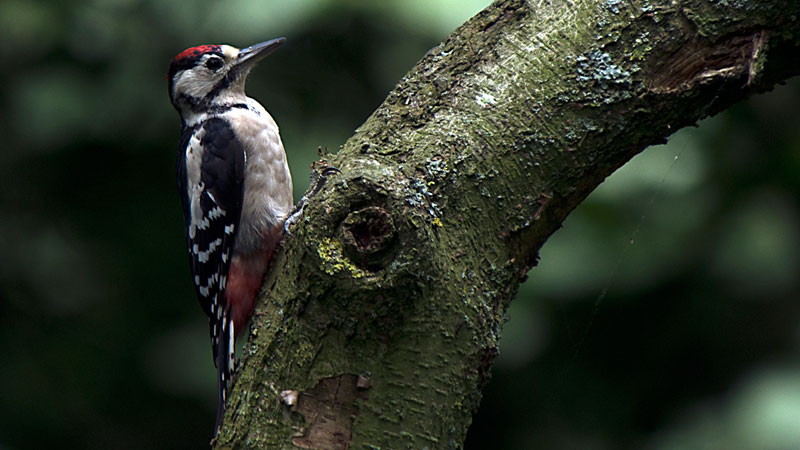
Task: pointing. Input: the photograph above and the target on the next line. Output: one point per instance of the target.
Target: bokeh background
(665, 314)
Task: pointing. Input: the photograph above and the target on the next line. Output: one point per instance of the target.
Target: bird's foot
(319, 176)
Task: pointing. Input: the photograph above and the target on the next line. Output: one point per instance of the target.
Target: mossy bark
(380, 324)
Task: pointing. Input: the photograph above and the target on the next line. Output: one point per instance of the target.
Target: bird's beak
(251, 55)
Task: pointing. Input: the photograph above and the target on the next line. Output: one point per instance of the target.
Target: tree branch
(383, 316)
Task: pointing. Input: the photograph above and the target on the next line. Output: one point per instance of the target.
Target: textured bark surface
(383, 316)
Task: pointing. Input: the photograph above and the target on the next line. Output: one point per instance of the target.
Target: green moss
(333, 261)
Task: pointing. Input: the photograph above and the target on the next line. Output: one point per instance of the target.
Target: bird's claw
(293, 217)
(318, 180)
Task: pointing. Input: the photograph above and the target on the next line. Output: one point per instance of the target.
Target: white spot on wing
(205, 255)
(216, 212)
(231, 346)
(194, 160)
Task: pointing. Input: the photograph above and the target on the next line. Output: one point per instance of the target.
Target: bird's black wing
(211, 183)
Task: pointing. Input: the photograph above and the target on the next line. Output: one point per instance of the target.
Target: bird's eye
(214, 63)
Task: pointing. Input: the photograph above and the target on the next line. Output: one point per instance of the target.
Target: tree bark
(380, 324)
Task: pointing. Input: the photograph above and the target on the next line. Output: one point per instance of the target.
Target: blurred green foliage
(663, 315)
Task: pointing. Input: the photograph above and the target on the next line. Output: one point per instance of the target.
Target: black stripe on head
(225, 82)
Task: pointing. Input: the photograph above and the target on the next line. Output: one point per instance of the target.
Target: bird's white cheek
(193, 84)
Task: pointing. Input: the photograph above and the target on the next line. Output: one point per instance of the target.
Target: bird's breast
(267, 197)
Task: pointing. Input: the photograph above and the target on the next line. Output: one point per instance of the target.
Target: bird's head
(202, 76)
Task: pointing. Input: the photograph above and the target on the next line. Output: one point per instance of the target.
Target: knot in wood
(368, 235)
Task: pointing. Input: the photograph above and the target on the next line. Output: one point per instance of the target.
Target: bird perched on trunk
(234, 184)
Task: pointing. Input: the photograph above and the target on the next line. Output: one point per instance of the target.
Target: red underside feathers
(245, 277)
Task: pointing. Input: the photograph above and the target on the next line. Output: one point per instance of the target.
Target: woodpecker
(235, 188)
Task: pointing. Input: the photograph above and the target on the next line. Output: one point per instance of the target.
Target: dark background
(665, 314)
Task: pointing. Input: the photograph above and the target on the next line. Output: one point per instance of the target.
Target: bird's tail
(224, 360)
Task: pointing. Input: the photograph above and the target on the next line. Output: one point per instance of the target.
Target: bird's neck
(192, 115)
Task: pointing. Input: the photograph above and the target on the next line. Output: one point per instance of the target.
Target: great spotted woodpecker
(234, 184)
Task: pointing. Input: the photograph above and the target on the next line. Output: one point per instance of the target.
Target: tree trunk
(381, 321)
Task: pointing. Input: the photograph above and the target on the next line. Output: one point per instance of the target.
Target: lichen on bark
(399, 274)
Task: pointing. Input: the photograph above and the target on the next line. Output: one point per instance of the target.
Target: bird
(235, 188)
